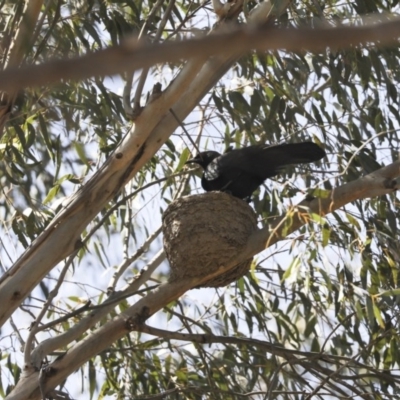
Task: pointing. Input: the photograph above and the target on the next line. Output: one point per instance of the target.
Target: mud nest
(203, 232)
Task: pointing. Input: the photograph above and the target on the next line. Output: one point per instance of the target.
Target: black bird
(240, 172)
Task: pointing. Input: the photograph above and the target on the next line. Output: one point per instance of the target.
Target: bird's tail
(295, 153)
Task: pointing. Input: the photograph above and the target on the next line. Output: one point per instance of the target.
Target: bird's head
(204, 158)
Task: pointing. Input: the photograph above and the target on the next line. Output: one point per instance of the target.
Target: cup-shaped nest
(202, 232)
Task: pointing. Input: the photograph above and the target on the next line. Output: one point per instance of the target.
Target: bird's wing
(247, 161)
(225, 172)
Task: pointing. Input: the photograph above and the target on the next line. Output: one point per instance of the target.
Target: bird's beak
(194, 160)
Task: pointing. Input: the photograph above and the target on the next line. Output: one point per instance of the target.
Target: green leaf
(378, 316)
(52, 193)
(326, 233)
(292, 272)
(317, 218)
(320, 193)
(80, 149)
(353, 221)
(182, 159)
(388, 293)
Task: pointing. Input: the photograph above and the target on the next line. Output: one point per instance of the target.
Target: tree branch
(134, 54)
(378, 183)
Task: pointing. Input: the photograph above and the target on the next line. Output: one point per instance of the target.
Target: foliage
(318, 315)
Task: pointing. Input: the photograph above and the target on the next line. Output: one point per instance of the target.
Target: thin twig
(142, 80)
(184, 129)
(130, 259)
(129, 110)
(35, 326)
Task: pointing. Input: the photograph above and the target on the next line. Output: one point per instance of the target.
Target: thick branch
(378, 183)
(134, 54)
